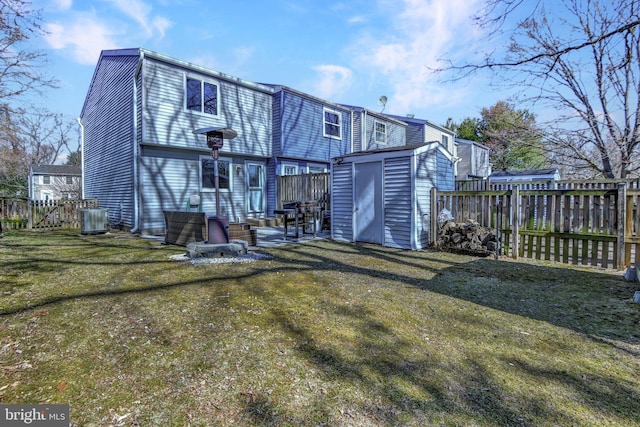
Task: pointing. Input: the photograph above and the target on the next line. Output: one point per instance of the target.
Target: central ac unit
(94, 221)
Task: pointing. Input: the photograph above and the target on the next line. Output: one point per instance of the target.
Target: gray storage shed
(384, 196)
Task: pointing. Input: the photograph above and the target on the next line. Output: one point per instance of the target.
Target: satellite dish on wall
(382, 101)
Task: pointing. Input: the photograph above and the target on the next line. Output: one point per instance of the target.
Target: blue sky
(346, 51)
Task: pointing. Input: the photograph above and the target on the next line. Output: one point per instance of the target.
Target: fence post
(515, 221)
(434, 216)
(622, 225)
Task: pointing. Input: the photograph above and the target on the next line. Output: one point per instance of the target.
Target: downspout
(363, 132)
(353, 122)
(136, 194)
(81, 155)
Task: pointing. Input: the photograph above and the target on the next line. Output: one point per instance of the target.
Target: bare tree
(580, 58)
(21, 70)
(32, 136)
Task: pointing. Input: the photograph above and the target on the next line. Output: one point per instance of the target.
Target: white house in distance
(55, 182)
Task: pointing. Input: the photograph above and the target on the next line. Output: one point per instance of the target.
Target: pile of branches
(467, 237)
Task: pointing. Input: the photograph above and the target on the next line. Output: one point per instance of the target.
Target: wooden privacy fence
(597, 227)
(301, 188)
(43, 214)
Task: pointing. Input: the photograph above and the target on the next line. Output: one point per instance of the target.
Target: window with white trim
(380, 132)
(316, 168)
(207, 174)
(201, 96)
(289, 169)
(445, 141)
(332, 121)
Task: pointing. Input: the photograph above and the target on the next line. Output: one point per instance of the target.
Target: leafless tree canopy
(580, 61)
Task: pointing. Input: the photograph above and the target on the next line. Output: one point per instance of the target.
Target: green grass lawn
(322, 333)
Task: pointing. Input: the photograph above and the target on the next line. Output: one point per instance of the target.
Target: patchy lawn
(319, 334)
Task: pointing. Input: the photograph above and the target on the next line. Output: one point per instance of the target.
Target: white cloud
(140, 12)
(409, 38)
(62, 4)
(85, 37)
(83, 34)
(332, 81)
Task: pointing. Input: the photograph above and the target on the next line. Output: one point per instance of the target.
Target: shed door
(368, 202)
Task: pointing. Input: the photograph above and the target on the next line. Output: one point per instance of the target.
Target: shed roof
(67, 170)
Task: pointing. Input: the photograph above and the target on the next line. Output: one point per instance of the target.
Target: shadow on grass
(398, 382)
(588, 302)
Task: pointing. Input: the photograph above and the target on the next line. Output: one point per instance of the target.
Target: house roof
(420, 122)
(382, 116)
(468, 141)
(397, 149)
(67, 170)
(146, 53)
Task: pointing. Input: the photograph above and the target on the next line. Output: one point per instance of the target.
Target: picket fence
(588, 226)
(43, 214)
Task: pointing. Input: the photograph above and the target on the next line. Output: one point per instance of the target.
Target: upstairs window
(201, 96)
(445, 141)
(46, 179)
(332, 123)
(380, 132)
(69, 179)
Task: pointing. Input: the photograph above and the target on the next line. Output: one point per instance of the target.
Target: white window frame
(262, 166)
(442, 139)
(202, 82)
(325, 123)
(213, 190)
(316, 165)
(376, 132)
(285, 165)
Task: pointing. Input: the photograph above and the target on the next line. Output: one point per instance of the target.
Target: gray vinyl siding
(271, 190)
(397, 202)
(424, 181)
(445, 171)
(277, 124)
(170, 177)
(108, 151)
(415, 134)
(396, 134)
(302, 124)
(165, 121)
(342, 202)
(357, 132)
(466, 165)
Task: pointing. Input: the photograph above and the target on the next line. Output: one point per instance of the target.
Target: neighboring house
(474, 160)
(374, 131)
(140, 153)
(307, 132)
(384, 196)
(55, 182)
(420, 131)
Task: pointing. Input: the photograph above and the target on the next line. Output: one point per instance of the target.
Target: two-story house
(141, 155)
(55, 182)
